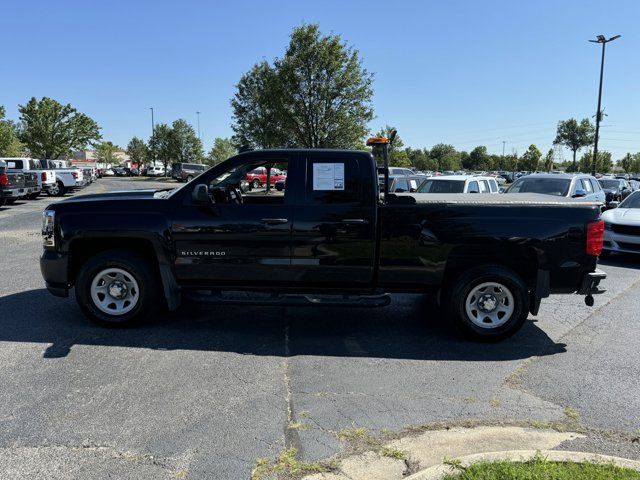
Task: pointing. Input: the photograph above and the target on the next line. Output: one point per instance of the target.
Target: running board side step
(287, 299)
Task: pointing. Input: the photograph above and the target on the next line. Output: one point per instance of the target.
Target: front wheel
(189, 178)
(116, 288)
(488, 303)
(255, 183)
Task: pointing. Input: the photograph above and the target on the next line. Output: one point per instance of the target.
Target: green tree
(449, 161)
(10, 146)
(604, 163)
(222, 149)
(50, 129)
(160, 142)
(318, 95)
(479, 159)
(106, 152)
(420, 159)
(574, 135)
(184, 144)
(630, 163)
(530, 159)
(138, 151)
(548, 161)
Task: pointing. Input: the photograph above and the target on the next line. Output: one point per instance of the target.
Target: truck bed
(530, 199)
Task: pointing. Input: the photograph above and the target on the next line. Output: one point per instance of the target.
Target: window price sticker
(328, 176)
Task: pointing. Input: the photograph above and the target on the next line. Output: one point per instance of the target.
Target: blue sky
(462, 72)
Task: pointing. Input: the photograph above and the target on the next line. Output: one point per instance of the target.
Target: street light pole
(198, 114)
(599, 39)
(153, 138)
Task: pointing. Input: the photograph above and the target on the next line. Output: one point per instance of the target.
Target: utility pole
(599, 39)
(503, 144)
(153, 138)
(198, 114)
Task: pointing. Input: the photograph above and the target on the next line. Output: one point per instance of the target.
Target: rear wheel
(116, 288)
(255, 183)
(189, 178)
(488, 303)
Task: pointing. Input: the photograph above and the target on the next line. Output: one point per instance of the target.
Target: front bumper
(618, 242)
(590, 284)
(11, 192)
(54, 267)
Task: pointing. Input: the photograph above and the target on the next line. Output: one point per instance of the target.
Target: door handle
(274, 221)
(354, 221)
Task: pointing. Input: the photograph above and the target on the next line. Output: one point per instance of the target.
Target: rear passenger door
(333, 242)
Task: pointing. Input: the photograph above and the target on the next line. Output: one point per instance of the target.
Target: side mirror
(200, 194)
(580, 193)
(614, 204)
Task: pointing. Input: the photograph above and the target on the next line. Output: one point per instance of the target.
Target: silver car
(580, 187)
(622, 226)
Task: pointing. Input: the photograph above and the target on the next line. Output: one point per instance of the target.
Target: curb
(437, 472)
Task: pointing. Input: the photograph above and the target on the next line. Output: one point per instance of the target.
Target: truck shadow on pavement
(410, 328)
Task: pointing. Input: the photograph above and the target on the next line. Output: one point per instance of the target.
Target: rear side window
(473, 187)
(586, 184)
(327, 187)
(493, 186)
(402, 185)
(484, 188)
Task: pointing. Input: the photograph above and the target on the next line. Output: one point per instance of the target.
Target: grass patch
(287, 465)
(352, 433)
(539, 468)
(392, 452)
(572, 413)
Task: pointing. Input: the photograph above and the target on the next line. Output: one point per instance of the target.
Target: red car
(258, 176)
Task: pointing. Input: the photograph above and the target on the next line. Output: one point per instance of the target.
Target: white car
(156, 171)
(622, 226)
(459, 184)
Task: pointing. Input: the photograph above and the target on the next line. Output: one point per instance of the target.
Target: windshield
(547, 186)
(442, 186)
(632, 201)
(609, 183)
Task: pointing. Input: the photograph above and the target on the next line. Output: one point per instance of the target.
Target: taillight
(4, 180)
(43, 176)
(595, 237)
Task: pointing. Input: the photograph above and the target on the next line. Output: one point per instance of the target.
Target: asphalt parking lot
(205, 391)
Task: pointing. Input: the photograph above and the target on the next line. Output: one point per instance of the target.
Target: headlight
(48, 218)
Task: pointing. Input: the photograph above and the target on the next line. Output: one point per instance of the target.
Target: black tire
(60, 190)
(136, 267)
(3, 201)
(189, 178)
(11, 201)
(255, 183)
(456, 302)
(33, 196)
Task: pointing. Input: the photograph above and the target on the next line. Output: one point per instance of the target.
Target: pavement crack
(291, 434)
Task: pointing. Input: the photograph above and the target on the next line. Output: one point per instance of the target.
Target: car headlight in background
(48, 219)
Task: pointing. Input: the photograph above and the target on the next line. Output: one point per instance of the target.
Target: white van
(459, 184)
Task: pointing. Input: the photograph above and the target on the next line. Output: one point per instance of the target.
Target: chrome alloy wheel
(489, 305)
(114, 291)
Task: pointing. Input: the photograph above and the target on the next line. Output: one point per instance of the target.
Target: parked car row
(27, 178)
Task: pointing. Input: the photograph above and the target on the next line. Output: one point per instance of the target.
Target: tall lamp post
(153, 138)
(599, 39)
(198, 114)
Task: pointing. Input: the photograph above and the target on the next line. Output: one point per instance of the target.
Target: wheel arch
(82, 249)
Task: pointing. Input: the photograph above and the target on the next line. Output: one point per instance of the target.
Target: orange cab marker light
(377, 141)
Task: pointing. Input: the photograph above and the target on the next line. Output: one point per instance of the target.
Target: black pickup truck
(330, 238)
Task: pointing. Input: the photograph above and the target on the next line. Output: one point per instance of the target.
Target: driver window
(260, 182)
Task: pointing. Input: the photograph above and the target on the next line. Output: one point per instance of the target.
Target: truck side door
(334, 230)
(235, 244)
